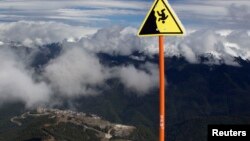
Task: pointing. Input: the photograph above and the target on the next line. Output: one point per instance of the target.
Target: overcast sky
(103, 13)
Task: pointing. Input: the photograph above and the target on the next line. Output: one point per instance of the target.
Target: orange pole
(162, 89)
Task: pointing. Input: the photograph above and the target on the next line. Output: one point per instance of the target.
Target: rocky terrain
(61, 122)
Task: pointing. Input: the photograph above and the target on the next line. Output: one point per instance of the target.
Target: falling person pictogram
(162, 15)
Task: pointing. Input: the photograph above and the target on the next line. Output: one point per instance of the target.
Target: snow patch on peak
(223, 33)
(1, 43)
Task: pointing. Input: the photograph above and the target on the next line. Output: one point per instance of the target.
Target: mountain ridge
(198, 94)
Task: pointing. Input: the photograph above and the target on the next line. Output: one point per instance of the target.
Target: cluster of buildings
(68, 113)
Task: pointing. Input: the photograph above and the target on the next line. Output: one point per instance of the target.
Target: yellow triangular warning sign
(161, 20)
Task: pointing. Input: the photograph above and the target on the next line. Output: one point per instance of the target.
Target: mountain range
(196, 95)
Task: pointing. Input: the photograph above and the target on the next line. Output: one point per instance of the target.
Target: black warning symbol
(161, 20)
(162, 15)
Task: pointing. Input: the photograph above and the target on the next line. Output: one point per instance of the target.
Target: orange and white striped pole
(162, 88)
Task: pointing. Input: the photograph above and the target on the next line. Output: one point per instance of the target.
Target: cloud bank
(17, 83)
(77, 70)
(30, 33)
(220, 46)
(115, 40)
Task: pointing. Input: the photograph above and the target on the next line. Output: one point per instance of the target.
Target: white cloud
(115, 40)
(17, 83)
(214, 14)
(138, 79)
(31, 33)
(210, 44)
(56, 4)
(123, 41)
(224, 47)
(194, 13)
(75, 72)
(241, 42)
(188, 53)
(68, 11)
